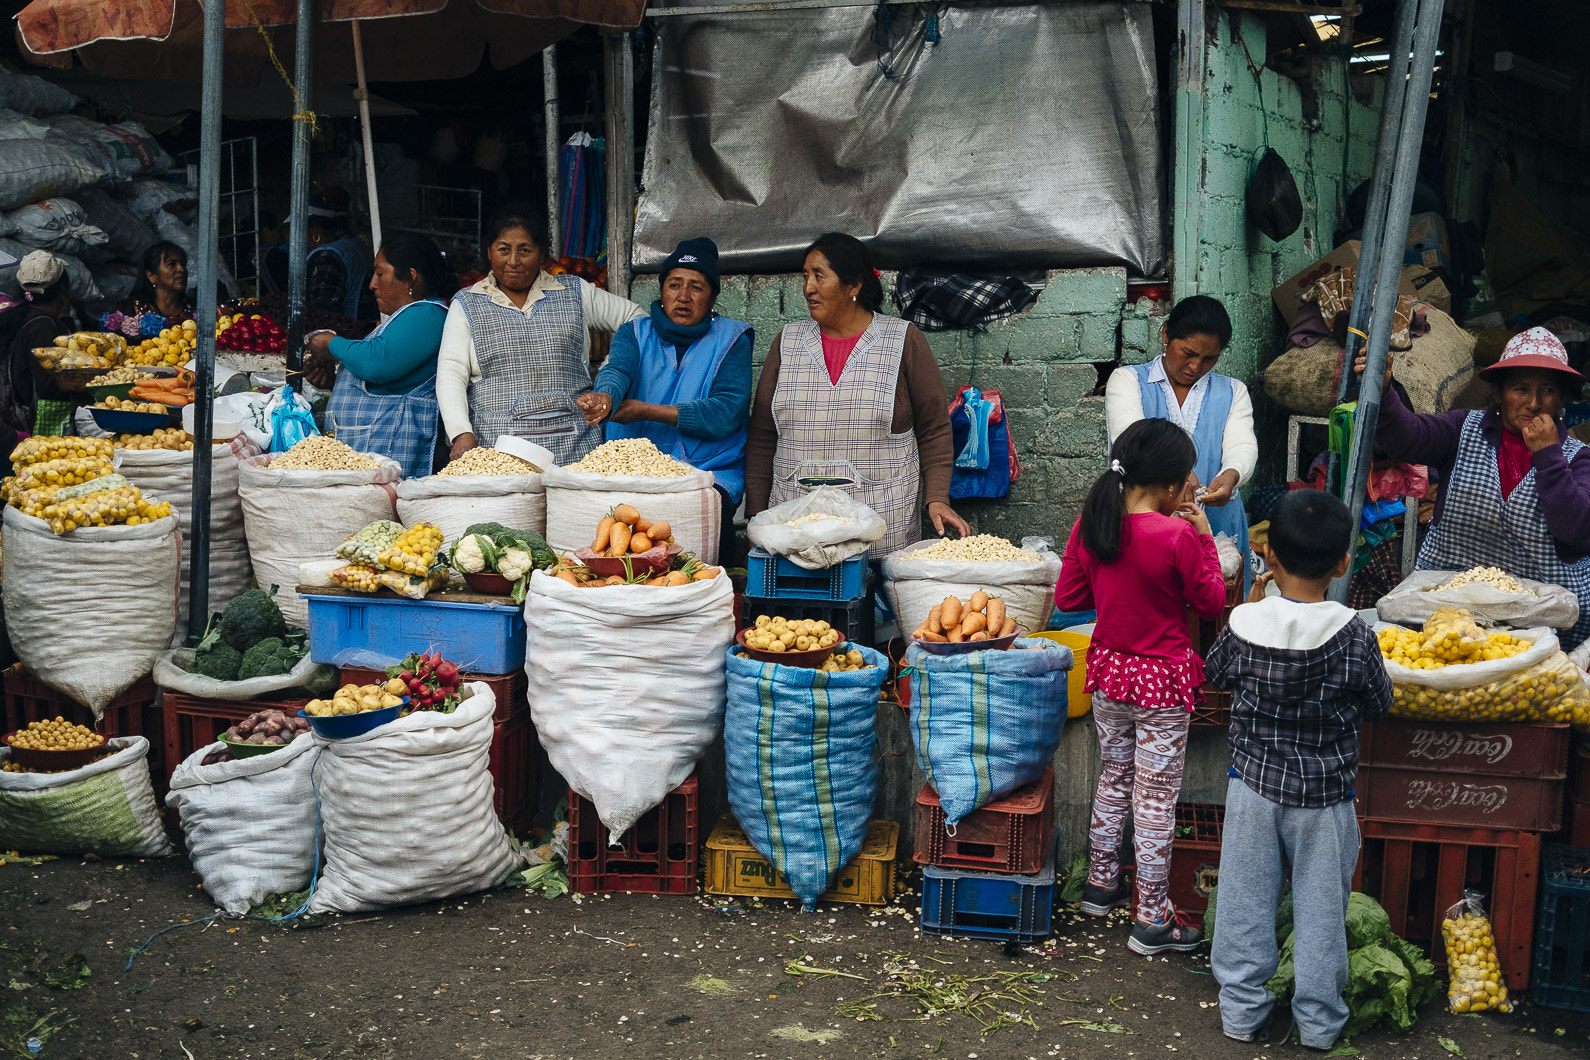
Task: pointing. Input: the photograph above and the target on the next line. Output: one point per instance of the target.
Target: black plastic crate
(853, 618)
(1561, 976)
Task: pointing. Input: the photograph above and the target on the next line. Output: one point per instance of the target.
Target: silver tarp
(1028, 136)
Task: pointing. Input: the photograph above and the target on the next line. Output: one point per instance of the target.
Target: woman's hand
(1256, 594)
(319, 342)
(943, 515)
(1199, 520)
(462, 444)
(1218, 494)
(1362, 362)
(595, 407)
(1540, 433)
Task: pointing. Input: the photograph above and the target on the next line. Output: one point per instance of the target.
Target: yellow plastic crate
(735, 867)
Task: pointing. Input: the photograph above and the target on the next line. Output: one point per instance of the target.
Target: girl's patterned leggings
(1144, 753)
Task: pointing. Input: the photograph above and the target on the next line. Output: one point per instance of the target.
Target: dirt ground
(514, 975)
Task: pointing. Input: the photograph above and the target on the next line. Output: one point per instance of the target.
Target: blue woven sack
(800, 750)
(987, 722)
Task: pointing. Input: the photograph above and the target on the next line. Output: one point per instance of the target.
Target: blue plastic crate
(377, 631)
(853, 618)
(987, 905)
(1560, 977)
(771, 577)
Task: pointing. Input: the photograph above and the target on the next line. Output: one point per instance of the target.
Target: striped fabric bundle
(987, 722)
(802, 775)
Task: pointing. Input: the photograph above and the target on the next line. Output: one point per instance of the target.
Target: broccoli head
(269, 658)
(220, 661)
(250, 618)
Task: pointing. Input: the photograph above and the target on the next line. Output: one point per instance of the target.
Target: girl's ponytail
(1148, 453)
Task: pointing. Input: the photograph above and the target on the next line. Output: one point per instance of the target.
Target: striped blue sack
(986, 722)
(799, 746)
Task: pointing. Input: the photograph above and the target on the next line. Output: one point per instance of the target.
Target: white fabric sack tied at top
(578, 501)
(1419, 595)
(457, 502)
(916, 586)
(817, 544)
(106, 807)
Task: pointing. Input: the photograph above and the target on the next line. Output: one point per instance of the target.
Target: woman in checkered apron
(855, 395)
(516, 349)
(1515, 486)
(384, 397)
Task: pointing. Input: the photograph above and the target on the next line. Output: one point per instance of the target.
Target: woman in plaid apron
(1515, 486)
(516, 348)
(384, 400)
(852, 395)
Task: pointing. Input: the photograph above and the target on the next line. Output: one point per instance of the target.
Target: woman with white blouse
(1182, 386)
(515, 354)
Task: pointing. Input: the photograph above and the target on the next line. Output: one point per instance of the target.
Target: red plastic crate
(1214, 710)
(658, 855)
(1579, 769)
(1417, 871)
(136, 712)
(1577, 825)
(192, 722)
(513, 771)
(1203, 631)
(510, 690)
(1459, 799)
(1013, 835)
(1514, 749)
(1195, 854)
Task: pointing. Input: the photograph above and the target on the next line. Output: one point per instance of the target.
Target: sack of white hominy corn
(920, 576)
(632, 471)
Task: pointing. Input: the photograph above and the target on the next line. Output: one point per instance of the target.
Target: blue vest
(1209, 439)
(358, 263)
(666, 380)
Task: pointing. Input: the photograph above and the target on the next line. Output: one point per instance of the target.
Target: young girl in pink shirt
(1140, 553)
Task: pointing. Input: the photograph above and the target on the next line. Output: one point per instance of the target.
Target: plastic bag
(171, 672)
(1538, 684)
(357, 577)
(1474, 974)
(412, 586)
(291, 422)
(817, 543)
(1230, 556)
(1274, 206)
(1420, 595)
(1453, 633)
(365, 547)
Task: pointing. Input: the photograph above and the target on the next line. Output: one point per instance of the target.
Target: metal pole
(549, 94)
(298, 230)
(1188, 160)
(364, 126)
(1410, 136)
(620, 160)
(204, 313)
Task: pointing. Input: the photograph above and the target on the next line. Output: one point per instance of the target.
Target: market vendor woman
(384, 397)
(516, 346)
(852, 394)
(1515, 487)
(682, 377)
(1181, 385)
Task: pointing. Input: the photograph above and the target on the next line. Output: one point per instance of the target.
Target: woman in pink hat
(1515, 487)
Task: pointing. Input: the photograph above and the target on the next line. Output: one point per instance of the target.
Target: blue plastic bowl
(118, 422)
(343, 726)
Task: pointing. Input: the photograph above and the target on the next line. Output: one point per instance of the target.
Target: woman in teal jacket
(384, 398)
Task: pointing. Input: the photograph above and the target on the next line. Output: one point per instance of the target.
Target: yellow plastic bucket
(1078, 702)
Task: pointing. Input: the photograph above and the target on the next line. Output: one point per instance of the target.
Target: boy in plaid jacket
(1304, 674)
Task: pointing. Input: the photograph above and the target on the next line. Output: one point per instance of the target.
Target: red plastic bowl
(808, 659)
(490, 583)
(648, 562)
(965, 646)
(35, 759)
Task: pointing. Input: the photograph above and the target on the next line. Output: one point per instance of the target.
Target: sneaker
(1176, 934)
(1275, 1029)
(1098, 901)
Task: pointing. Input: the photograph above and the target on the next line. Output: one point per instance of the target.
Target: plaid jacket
(942, 302)
(1295, 714)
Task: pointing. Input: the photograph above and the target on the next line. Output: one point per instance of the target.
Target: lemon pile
(55, 734)
(1474, 973)
(415, 552)
(1420, 651)
(173, 346)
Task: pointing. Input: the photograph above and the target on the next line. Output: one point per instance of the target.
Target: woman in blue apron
(682, 377)
(1515, 485)
(384, 399)
(516, 349)
(1182, 386)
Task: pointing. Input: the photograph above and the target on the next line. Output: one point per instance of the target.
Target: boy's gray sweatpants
(1259, 840)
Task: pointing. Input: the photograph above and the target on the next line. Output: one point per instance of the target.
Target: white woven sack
(31, 170)
(56, 224)
(1418, 596)
(292, 517)
(129, 235)
(33, 96)
(576, 502)
(457, 502)
(15, 126)
(915, 587)
(406, 811)
(167, 475)
(818, 543)
(124, 150)
(171, 671)
(626, 685)
(89, 611)
(106, 808)
(249, 824)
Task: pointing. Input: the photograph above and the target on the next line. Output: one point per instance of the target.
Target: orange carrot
(639, 542)
(980, 635)
(935, 619)
(619, 545)
(626, 513)
(974, 622)
(1008, 628)
(604, 534)
(996, 614)
(978, 601)
(642, 525)
(660, 531)
(950, 614)
(936, 638)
